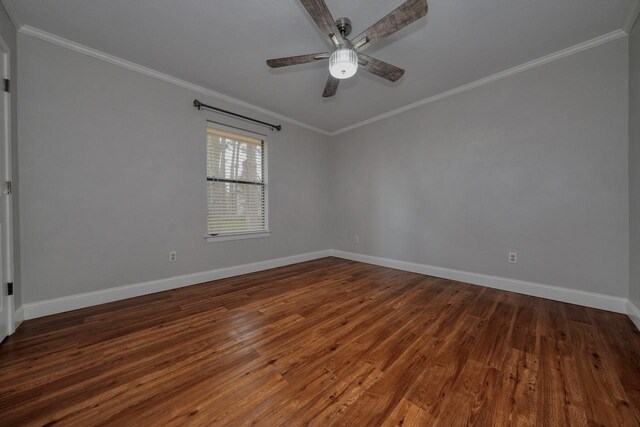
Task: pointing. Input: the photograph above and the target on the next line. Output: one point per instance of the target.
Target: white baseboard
(634, 313)
(572, 296)
(18, 317)
(73, 302)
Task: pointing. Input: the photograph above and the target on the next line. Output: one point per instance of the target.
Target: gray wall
(9, 35)
(112, 168)
(111, 164)
(634, 163)
(535, 163)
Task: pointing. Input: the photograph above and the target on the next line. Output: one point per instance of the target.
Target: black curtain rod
(199, 105)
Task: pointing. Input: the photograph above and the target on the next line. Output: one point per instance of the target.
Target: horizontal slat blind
(236, 190)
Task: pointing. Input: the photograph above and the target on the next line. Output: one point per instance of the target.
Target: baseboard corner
(18, 317)
(634, 313)
(556, 293)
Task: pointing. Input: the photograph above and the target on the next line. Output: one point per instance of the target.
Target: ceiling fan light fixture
(343, 63)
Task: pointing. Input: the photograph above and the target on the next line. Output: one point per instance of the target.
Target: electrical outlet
(356, 239)
(513, 257)
(173, 256)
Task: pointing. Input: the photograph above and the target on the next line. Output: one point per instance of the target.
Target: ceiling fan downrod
(344, 26)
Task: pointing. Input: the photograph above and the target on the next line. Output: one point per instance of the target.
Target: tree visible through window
(236, 187)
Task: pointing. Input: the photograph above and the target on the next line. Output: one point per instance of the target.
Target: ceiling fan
(347, 54)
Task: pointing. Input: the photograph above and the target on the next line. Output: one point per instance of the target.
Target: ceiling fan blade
(331, 87)
(295, 60)
(380, 68)
(403, 15)
(322, 17)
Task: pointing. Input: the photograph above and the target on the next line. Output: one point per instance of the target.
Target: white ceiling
(223, 44)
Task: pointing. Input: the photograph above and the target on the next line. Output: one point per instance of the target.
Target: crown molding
(632, 16)
(13, 13)
(614, 35)
(77, 47)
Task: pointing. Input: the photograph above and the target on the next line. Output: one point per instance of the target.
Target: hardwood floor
(327, 342)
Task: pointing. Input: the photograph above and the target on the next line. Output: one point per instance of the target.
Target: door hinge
(10, 288)
(7, 85)
(7, 187)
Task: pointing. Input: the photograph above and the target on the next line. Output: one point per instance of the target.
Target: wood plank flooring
(327, 342)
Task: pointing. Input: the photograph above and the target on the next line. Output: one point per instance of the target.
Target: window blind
(236, 187)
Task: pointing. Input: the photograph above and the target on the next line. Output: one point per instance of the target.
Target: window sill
(228, 237)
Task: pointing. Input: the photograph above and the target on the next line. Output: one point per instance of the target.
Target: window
(236, 184)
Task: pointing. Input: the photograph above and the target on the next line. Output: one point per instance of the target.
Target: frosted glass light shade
(343, 63)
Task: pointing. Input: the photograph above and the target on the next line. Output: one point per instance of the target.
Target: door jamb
(6, 203)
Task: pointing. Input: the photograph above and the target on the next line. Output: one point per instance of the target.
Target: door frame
(6, 240)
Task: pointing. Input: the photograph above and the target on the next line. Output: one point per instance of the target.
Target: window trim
(265, 172)
(237, 236)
